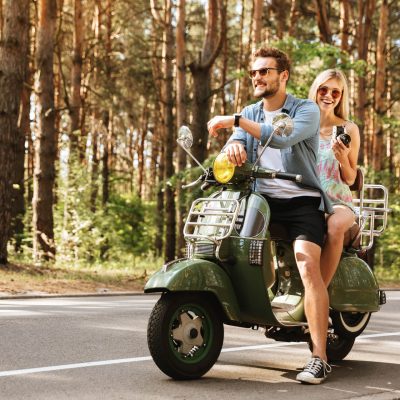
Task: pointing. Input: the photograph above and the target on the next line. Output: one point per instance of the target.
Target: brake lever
(191, 184)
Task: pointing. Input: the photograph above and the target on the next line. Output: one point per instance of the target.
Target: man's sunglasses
(335, 93)
(261, 71)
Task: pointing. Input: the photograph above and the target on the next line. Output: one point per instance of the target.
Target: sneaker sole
(310, 380)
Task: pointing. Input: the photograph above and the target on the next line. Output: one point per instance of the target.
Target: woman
(337, 164)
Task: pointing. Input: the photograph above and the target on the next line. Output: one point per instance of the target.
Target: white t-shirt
(271, 159)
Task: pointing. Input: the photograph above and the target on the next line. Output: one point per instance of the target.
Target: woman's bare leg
(338, 223)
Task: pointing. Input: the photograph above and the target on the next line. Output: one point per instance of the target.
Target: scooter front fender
(354, 287)
(196, 275)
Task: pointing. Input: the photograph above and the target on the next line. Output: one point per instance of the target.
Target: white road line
(18, 313)
(383, 389)
(373, 335)
(139, 359)
(339, 390)
(72, 366)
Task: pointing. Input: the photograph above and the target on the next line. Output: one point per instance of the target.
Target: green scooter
(241, 271)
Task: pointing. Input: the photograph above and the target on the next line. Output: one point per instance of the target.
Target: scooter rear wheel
(349, 324)
(185, 334)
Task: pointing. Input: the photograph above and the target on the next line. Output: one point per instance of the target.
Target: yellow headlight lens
(223, 168)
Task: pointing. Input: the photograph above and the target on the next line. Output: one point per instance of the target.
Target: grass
(129, 275)
(21, 277)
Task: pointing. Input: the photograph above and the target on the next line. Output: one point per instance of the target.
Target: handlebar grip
(288, 176)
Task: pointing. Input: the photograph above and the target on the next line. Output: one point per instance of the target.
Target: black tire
(349, 324)
(183, 346)
(337, 348)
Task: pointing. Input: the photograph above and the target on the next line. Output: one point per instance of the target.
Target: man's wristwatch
(237, 118)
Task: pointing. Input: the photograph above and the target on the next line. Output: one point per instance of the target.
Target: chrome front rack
(211, 219)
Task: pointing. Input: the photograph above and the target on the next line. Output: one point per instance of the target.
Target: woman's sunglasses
(335, 93)
(261, 71)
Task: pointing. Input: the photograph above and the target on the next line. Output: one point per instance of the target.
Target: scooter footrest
(283, 334)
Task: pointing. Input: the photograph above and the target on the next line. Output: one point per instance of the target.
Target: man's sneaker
(314, 372)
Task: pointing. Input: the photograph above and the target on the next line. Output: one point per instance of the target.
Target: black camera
(338, 132)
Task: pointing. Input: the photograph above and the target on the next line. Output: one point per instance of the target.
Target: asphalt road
(95, 348)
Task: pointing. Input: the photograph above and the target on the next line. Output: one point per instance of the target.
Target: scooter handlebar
(289, 177)
(260, 172)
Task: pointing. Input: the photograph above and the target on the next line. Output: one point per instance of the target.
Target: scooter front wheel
(185, 334)
(337, 347)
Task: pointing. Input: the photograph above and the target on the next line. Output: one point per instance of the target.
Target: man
(300, 207)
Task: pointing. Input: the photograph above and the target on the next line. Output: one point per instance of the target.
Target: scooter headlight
(223, 169)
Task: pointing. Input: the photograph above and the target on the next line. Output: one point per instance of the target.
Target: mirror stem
(192, 156)
(264, 148)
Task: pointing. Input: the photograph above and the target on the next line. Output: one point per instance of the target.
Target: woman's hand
(340, 150)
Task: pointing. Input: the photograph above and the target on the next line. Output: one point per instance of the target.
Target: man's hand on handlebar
(236, 153)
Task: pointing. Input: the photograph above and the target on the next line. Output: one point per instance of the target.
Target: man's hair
(282, 60)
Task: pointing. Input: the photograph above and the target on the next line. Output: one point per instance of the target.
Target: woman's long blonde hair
(342, 109)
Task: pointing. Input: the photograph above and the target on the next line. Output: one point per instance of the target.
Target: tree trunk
(96, 124)
(160, 200)
(18, 203)
(107, 115)
(105, 172)
(325, 33)
(246, 82)
(140, 148)
(45, 153)
(165, 22)
(94, 173)
(76, 80)
(380, 92)
(181, 118)
(279, 8)
(200, 111)
(344, 25)
(13, 61)
(366, 10)
(294, 16)
(201, 72)
(239, 64)
(257, 22)
(168, 55)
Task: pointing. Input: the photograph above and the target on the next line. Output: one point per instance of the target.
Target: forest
(93, 92)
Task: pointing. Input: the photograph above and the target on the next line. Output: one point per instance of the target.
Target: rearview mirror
(185, 137)
(283, 124)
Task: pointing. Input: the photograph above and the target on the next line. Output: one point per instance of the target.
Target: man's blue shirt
(299, 151)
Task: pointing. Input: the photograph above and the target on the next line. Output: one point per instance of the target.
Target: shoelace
(315, 364)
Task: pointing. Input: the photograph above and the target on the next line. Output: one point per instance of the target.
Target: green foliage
(309, 58)
(387, 246)
(122, 229)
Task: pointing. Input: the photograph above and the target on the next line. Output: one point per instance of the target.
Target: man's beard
(269, 91)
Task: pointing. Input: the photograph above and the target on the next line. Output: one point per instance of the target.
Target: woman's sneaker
(314, 372)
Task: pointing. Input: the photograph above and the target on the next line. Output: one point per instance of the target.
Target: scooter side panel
(252, 272)
(354, 287)
(196, 275)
